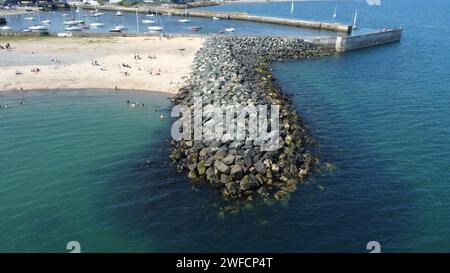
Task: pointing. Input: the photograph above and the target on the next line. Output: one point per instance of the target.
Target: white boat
(148, 21)
(47, 22)
(38, 28)
(121, 27)
(5, 28)
(116, 29)
(29, 18)
(230, 29)
(155, 28)
(71, 22)
(150, 15)
(186, 17)
(96, 13)
(96, 25)
(355, 26)
(118, 13)
(292, 7)
(216, 18)
(335, 9)
(73, 28)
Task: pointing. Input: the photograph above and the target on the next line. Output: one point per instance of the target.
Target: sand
(67, 63)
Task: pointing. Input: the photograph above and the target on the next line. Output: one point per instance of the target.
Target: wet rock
(236, 172)
(249, 183)
(201, 168)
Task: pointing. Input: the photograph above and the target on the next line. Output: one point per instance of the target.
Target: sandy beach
(133, 63)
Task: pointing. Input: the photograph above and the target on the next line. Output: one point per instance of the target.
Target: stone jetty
(229, 70)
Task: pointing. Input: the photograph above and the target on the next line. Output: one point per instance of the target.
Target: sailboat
(335, 9)
(355, 26)
(96, 24)
(186, 19)
(96, 13)
(292, 7)
(148, 21)
(118, 13)
(156, 28)
(119, 28)
(73, 28)
(39, 27)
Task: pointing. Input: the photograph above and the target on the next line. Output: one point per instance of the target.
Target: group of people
(7, 46)
(35, 70)
(155, 72)
(135, 104)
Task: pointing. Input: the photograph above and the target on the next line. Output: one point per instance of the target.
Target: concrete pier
(242, 16)
(348, 43)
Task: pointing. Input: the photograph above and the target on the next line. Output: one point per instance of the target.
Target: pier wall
(348, 43)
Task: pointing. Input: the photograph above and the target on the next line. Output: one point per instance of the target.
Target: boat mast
(39, 14)
(354, 19)
(137, 20)
(292, 7)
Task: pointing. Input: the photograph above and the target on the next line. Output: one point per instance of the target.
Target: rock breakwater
(230, 70)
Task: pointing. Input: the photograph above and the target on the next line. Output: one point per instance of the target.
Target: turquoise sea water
(72, 163)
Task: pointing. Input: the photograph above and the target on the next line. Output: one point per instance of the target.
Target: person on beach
(8, 46)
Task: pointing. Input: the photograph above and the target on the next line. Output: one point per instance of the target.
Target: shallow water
(72, 162)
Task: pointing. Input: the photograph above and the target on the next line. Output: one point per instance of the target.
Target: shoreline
(151, 64)
(168, 95)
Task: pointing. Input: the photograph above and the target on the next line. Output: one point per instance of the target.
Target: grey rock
(229, 159)
(222, 167)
